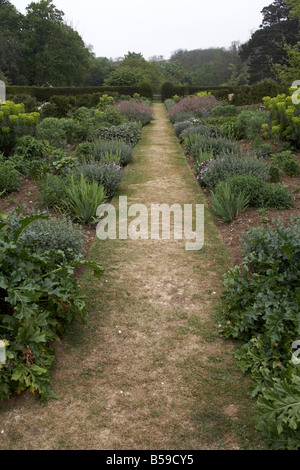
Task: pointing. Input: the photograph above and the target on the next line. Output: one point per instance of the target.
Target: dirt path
(151, 372)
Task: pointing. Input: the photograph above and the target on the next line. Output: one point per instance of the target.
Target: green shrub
(274, 173)
(198, 128)
(285, 124)
(169, 104)
(219, 169)
(83, 151)
(277, 196)
(218, 146)
(181, 126)
(227, 110)
(53, 190)
(9, 178)
(261, 194)
(100, 148)
(226, 204)
(39, 299)
(261, 310)
(55, 234)
(261, 149)
(224, 124)
(83, 199)
(291, 168)
(31, 148)
(247, 184)
(58, 132)
(128, 132)
(167, 91)
(286, 163)
(107, 175)
(248, 124)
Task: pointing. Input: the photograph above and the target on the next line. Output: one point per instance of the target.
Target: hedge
(44, 94)
(243, 95)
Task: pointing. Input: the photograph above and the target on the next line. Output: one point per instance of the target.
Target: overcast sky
(159, 27)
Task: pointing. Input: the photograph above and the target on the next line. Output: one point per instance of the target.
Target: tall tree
(11, 47)
(133, 69)
(100, 69)
(267, 46)
(55, 54)
(295, 8)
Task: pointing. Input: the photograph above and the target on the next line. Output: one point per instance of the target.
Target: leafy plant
(219, 169)
(9, 177)
(31, 148)
(14, 122)
(193, 106)
(248, 124)
(100, 148)
(58, 132)
(135, 111)
(54, 233)
(260, 193)
(226, 204)
(286, 163)
(196, 143)
(128, 132)
(83, 199)
(108, 175)
(285, 116)
(226, 110)
(261, 309)
(39, 298)
(53, 190)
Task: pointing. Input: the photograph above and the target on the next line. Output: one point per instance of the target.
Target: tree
(100, 69)
(173, 72)
(55, 54)
(133, 69)
(289, 72)
(275, 13)
(295, 8)
(267, 46)
(11, 48)
(208, 67)
(127, 76)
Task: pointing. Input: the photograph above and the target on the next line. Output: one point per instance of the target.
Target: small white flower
(2, 432)
(120, 332)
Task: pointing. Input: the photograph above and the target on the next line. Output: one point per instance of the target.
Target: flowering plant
(135, 111)
(195, 106)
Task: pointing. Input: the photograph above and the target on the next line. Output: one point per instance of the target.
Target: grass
(167, 381)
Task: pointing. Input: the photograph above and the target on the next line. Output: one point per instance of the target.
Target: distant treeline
(40, 49)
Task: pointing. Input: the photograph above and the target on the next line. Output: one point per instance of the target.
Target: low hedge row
(44, 94)
(242, 95)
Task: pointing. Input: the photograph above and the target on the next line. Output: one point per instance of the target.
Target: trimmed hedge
(243, 95)
(44, 94)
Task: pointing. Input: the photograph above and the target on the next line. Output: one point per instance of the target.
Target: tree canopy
(267, 46)
(39, 48)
